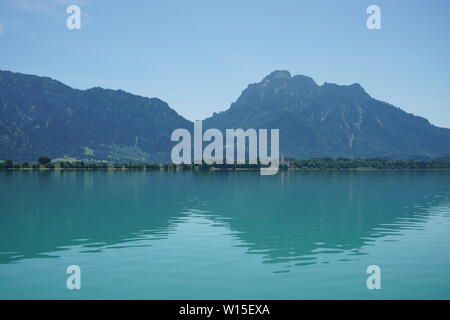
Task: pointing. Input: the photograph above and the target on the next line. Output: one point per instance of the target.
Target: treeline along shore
(45, 163)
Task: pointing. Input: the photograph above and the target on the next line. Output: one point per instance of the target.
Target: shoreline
(223, 170)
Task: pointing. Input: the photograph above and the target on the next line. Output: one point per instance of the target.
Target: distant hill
(41, 116)
(331, 120)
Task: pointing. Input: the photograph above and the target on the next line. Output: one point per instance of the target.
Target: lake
(224, 235)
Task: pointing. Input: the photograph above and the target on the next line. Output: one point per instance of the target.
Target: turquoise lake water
(237, 235)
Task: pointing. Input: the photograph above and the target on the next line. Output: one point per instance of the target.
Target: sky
(199, 55)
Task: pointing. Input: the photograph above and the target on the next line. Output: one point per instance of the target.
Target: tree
(44, 160)
(8, 164)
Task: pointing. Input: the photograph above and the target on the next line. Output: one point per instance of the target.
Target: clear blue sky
(199, 55)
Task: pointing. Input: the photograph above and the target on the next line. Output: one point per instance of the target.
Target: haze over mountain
(331, 120)
(41, 116)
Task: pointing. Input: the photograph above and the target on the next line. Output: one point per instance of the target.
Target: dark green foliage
(7, 164)
(25, 165)
(64, 164)
(44, 161)
(375, 163)
(307, 164)
(152, 166)
(103, 165)
(117, 165)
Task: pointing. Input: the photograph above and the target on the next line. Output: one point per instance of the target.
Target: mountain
(41, 116)
(331, 120)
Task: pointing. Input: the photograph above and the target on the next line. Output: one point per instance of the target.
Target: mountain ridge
(40, 115)
(43, 116)
(331, 120)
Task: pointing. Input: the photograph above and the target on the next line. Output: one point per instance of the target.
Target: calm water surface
(182, 235)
